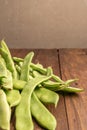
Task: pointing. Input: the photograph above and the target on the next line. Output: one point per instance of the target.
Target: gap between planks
(58, 51)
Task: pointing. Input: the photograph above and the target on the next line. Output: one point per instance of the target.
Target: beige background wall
(44, 23)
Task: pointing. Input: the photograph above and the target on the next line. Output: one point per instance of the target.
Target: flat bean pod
(17, 59)
(72, 89)
(7, 81)
(3, 70)
(54, 86)
(23, 112)
(18, 68)
(18, 84)
(2, 60)
(5, 47)
(9, 62)
(26, 66)
(13, 97)
(5, 112)
(46, 96)
(41, 114)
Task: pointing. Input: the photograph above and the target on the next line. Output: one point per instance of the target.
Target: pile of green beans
(28, 87)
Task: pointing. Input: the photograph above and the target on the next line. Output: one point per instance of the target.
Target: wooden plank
(50, 58)
(74, 65)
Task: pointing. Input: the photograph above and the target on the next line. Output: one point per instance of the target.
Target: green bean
(16, 59)
(41, 114)
(54, 86)
(2, 60)
(68, 82)
(5, 112)
(18, 69)
(23, 112)
(39, 69)
(72, 89)
(46, 96)
(13, 97)
(48, 70)
(9, 62)
(36, 73)
(39, 65)
(18, 84)
(20, 64)
(3, 70)
(4, 46)
(26, 67)
(1, 81)
(7, 81)
(56, 78)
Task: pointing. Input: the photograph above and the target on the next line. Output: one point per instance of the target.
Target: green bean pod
(9, 62)
(5, 47)
(5, 112)
(38, 68)
(41, 114)
(68, 82)
(3, 70)
(18, 68)
(72, 89)
(17, 59)
(26, 67)
(23, 112)
(7, 77)
(46, 96)
(54, 86)
(18, 84)
(13, 97)
(2, 60)
(57, 79)
(7, 81)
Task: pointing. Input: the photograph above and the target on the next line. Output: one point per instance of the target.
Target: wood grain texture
(74, 65)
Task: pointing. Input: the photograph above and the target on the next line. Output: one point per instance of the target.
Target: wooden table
(71, 111)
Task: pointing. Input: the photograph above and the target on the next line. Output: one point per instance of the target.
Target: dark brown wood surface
(71, 111)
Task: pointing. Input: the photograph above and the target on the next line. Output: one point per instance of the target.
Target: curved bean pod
(72, 89)
(13, 97)
(18, 84)
(2, 60)
(5, 112)
(9, 62)
(5, 47)
(54, 86)
(46, 96)
(7, 80)
(26, 66)
(17, 59)
(41, 114)
(3, 70)
(23, 112)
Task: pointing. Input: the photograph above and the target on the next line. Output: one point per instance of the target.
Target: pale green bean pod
(5, 112)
